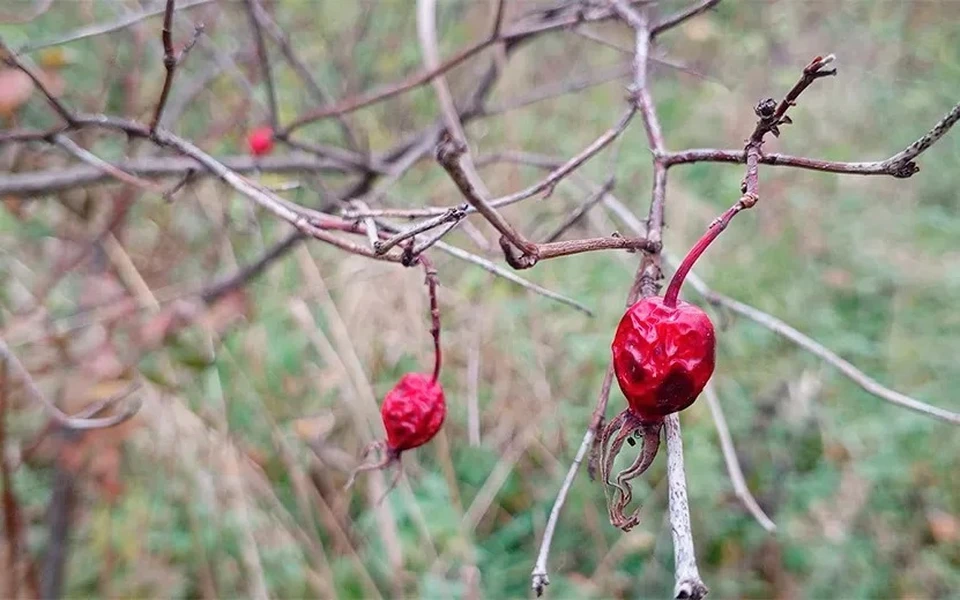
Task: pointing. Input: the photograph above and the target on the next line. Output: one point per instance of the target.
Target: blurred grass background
(865, 495)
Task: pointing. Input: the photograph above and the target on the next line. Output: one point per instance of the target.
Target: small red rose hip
(260, 141)
(663, 356)
(412, 412)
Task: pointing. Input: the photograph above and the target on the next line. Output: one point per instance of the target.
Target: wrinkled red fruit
(260, 141)
(413, 412)
(663, 356)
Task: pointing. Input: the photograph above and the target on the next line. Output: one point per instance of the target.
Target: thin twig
(92, 159)
(169, 63)
(100, 29)
(555, 90)
(582, 209)
(452, 215)
(10, 58)
(56, 415)
(539, 578)
(733, 463)
(253, 12)
(511, 35)
(450, 153)
(510, 276)
(810, 345)
(303, 72)
(51, 181)
(681, 17)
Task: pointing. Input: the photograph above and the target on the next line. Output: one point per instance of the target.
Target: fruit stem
(431, 281)
(715, 229)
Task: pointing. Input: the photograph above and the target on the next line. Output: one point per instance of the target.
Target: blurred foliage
(865, 494)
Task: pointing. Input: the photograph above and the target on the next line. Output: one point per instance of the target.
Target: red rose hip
(414, 409)
(413, 412)
(663, 356)
(260, 141)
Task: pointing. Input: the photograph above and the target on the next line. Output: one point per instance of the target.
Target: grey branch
(689, 585)
(733, 464)
(51, 181)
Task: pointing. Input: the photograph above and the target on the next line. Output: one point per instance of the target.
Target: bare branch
(169, 63)
(12, 59)
(681, 17)
(105, 167)
(254, 12)
(56, 415)
(51, 181)
(561, 88)
(577, 214)
(689, 585)
(810, 345)
(733, 463)
(100, 29)
(539, 578)
(417, 79)
(451, 216)
(303, 72)
(510, 276)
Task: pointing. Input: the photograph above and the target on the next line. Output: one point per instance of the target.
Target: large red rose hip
(663, 356)
(413, 412)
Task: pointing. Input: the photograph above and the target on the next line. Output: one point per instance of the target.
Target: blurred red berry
(260, 141)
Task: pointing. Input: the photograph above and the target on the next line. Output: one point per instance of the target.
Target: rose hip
(260, 141)
(414, 410)
(663, 356)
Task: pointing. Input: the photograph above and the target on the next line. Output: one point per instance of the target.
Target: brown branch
(254, 10)
(451, 216)
(681, 17)
(11, 59)
(171, 60)
(423, 77)
(12, 514)
(169, 63)
(304, 73)
(577, 214)
(449, 153)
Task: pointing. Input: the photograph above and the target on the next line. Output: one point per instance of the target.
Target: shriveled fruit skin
(413, 411)
(663, 356)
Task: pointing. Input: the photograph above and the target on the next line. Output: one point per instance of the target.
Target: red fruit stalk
(260, 141)
(663, 356)
(414, 410)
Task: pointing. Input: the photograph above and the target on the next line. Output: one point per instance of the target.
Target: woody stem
(431, 280)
